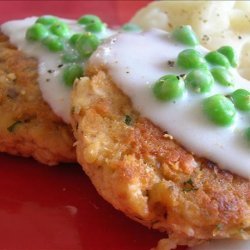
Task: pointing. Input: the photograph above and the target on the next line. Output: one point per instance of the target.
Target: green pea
(219, 109)
(230, 54)
(169, 87)
(247, 134)
(217, 58)
(241, 99)
(88, 19)
(222, 76)
(72, 72)
(191, 59)
(36, 32)
(53, 43)
(59, 29)
(74, 38)
(92, 23)
(71, 57)
(199, 80)
(131, 27)
(185, 35)
(97, 26)
(86, 44)
(47, 20)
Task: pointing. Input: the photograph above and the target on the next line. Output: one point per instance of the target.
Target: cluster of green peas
(76, 48)
(202, 73)
(55, 35)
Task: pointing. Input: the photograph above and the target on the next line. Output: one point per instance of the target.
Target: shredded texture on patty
(28, 126)
(145, 173)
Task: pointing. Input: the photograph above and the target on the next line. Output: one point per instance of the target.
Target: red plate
(57, 207)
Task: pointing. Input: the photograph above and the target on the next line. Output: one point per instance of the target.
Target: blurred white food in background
(216, 23)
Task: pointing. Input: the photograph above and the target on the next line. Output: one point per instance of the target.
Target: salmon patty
(144, 172)
(28, 126)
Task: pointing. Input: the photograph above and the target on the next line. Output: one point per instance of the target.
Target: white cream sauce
(136, 61)
(54, 91)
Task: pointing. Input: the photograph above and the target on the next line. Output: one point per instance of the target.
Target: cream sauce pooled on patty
(136, 61)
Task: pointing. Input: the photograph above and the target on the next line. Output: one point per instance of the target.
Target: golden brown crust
(28, 126)
(148, 175)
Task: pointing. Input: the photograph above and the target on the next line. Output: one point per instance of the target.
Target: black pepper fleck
(51, 71)
(171, 63)
(60, 65)
(205, 38)
(113, 41)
